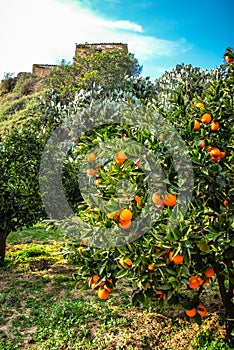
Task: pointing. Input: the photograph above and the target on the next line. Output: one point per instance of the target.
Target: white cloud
(126, 25)
(46, 31)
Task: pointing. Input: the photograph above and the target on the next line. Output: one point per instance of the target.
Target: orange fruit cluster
(169, 199)
(215, 154)
(101, 288)
(196, 281)
(200, 309)
(206, 118)
(125, 218)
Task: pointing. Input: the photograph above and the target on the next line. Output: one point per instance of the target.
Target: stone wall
(83, 49)
(43, 70)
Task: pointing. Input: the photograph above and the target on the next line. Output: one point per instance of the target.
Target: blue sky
(160, 33)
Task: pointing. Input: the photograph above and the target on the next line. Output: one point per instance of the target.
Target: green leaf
(203, 246)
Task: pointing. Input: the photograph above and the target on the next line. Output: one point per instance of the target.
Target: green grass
(39, 233)
(41, 307)
(207, 340)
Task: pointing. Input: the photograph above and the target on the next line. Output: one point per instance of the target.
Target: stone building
(43, 70)
(84, 49)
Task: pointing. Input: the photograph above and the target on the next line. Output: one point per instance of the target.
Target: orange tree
(168, 266)
(20, 154)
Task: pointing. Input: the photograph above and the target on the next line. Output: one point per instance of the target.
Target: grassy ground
(42, 308)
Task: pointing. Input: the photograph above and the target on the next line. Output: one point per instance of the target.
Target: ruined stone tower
(43, 70)
(83, 49)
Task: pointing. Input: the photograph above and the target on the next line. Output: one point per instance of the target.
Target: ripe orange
(215, 152)
(197, 125)
(229, 59)
(91, 157)
(201, 310)
(120, 157)
(170, 199)
(191, 313)
(125, 263)
(202, 144)
(161, 295)
(147, 285)
(97, 182)
(125, 215)
(195, 282)
(200, 105)
(91, 172)
(84, 241)
(95, 278)
(206, 118)
(214, 126)
(177, 259)
(125, 224)
(81, 250)
(151, 267)
(209, 272)
(138, 200)
(103, 294)
(225, 202)
(156, 198)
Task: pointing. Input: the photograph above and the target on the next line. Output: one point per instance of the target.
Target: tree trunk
(227, 296)
(3, 237)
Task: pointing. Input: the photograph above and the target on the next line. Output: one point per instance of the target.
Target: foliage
(204, 238)
(186, 78)
(27, 84)
(18, 112)
(20, 201)
(107, 69)
(7, 84)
